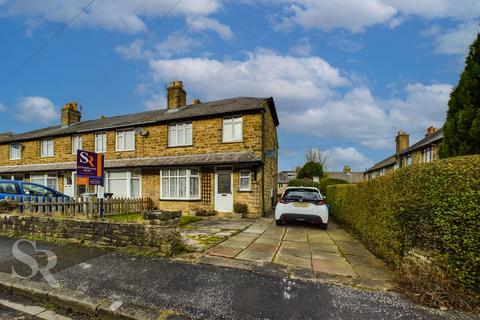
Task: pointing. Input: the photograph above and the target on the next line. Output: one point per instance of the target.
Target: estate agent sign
(89, 168)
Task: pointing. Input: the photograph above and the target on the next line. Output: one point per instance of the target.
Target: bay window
(232, 130)
(15, 151)
(48, 179)
(180, 134)
(123, 184)
(180, 184)
(125, 140)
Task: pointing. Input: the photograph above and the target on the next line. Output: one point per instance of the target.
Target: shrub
(434, 206)
(310, 169)
(240, 208)
(205, 213)
(303, 183)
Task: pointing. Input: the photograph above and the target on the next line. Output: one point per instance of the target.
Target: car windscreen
(303, 194)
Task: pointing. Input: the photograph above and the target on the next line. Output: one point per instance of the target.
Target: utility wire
(126, 56)
(49, 40)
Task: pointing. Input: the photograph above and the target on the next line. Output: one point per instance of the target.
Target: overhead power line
(49, 40)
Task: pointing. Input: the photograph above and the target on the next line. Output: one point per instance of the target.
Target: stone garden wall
(160, 233)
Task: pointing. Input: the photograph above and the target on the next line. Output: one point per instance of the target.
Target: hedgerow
(434, 207)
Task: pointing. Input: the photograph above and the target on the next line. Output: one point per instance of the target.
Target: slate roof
(435, 137)
(219, 107)
(390, 161)
(187, 160)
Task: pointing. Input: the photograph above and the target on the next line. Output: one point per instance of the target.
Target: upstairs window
(245, 180)
(125, 140)
(47, 148)
(100, 142)
(15, 151)
(427, 154)
(76, 144)
(232, 129)
(180, 134)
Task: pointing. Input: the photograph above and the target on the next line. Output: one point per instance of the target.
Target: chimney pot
(70, 114)
(196, 101)
(431, 130)
(176, 96)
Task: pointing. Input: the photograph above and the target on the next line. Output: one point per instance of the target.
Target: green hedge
(434, 206)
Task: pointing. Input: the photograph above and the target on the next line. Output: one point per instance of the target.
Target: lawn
(138, 217)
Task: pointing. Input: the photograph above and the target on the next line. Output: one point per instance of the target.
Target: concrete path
(306, 251)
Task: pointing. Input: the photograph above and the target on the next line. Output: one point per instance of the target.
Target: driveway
(305, 252)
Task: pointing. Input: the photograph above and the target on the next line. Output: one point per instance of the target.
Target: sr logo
(33, 264)
(86, 158)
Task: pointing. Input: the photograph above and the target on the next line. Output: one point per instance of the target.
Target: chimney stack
(196, 101)
(431, 130)
(402, 141)
(176, 96)
(70, 114)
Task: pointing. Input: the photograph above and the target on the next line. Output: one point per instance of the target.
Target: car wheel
(279, 222)
(324, 226)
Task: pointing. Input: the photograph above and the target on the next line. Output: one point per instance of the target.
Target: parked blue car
(13, 189)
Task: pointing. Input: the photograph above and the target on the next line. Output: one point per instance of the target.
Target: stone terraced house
(423, 151)
(206, 155)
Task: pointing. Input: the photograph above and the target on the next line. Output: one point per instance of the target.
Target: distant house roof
(388, 162)
(187, 160)
(429, 139)
(351, 177)
(219, 107)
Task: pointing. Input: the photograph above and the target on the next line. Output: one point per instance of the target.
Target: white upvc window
(76, 144)
(125, 140)
(427, 154)
(180, 134)
(245, 182)
(232, 129)
(48, 179)
(15, 151)
(47, 148)
(101, 142)
(180, 184)
(124, 184)
(409, 159)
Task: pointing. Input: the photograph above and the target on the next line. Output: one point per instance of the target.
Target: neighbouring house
(350, 177)
(284, 177)
(423, 151)
(202, 156)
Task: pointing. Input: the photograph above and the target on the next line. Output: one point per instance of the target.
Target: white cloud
(2, 107)
(36, 109)
(457, 40)
(306, 92)
(303, 48)
(339, 157)
(204, 23)
(175, 44)
(355, 16)
(120, 15)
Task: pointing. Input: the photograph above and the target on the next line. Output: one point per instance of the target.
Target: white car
(302, 204)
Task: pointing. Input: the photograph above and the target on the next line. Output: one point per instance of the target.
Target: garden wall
(433, 207)
(159, 235)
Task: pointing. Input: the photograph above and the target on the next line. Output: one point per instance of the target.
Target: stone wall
(159, 235)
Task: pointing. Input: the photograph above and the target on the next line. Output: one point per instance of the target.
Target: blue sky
(346, 75)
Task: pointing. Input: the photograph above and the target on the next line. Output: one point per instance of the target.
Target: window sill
(244, 191)
(16, 159)
(47, 156)
(181, 146)
(180, 199)
(125, 150)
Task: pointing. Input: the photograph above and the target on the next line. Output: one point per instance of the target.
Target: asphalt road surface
(210, 292)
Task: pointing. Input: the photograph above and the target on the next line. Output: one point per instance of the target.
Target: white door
(223, 191)
(68, 187)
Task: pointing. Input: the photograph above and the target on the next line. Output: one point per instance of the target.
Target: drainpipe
(263, 162)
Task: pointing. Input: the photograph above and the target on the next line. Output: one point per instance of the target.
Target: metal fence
(81, 206)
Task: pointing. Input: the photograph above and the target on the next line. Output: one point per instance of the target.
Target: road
(210, 292)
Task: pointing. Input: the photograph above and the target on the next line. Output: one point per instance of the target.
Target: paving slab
(263, 239)
(224, 251)
(353, 248)
(319, 248)
(302, 253)
(292, 261)
(295, 245)
(337, 267)
(369, 272)
(256, 255)
(229, 263)
(236, 244)
(369, 260)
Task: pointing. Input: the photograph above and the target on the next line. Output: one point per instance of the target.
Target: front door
(68, 186)
(223, 191)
